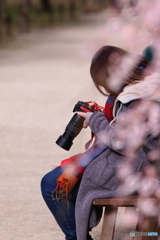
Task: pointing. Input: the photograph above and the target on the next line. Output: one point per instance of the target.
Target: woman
(101, 178)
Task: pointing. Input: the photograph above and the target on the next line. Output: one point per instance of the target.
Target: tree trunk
(46, 6)
(83, 4)
(24, 16)
(1, 18)
(72, 9)
(30, 3)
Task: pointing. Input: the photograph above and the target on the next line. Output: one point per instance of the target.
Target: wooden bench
(111, 208)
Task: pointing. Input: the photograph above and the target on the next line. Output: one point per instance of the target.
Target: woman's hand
(83, 114)
(92, 105)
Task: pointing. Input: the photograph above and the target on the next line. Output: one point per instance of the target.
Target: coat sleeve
(110, 133)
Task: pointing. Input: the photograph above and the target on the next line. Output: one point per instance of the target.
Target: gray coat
(100, 179)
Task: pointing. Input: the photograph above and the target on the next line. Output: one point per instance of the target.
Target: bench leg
(150, 225)
(109, 221)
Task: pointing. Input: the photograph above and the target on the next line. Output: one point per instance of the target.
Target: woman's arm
(105, 131)
(116, 134)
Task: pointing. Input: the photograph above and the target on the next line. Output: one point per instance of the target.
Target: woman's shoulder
(145, 89)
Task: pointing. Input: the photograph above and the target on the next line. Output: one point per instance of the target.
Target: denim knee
(45, 186)
(48, 182)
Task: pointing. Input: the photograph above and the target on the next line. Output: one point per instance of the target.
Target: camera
(74, 126)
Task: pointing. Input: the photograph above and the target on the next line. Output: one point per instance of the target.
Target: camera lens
(72, 130)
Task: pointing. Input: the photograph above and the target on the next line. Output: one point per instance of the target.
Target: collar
(148, 88)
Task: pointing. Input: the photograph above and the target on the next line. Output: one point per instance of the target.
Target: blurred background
(22, 16)
(46, 48)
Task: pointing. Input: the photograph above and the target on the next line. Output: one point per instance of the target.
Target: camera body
(74, 126)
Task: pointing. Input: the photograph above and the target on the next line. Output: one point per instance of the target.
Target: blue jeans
(62, 210)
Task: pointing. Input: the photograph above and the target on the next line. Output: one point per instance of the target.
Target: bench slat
(123, 201)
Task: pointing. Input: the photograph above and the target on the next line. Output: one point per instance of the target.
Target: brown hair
(106, 60)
